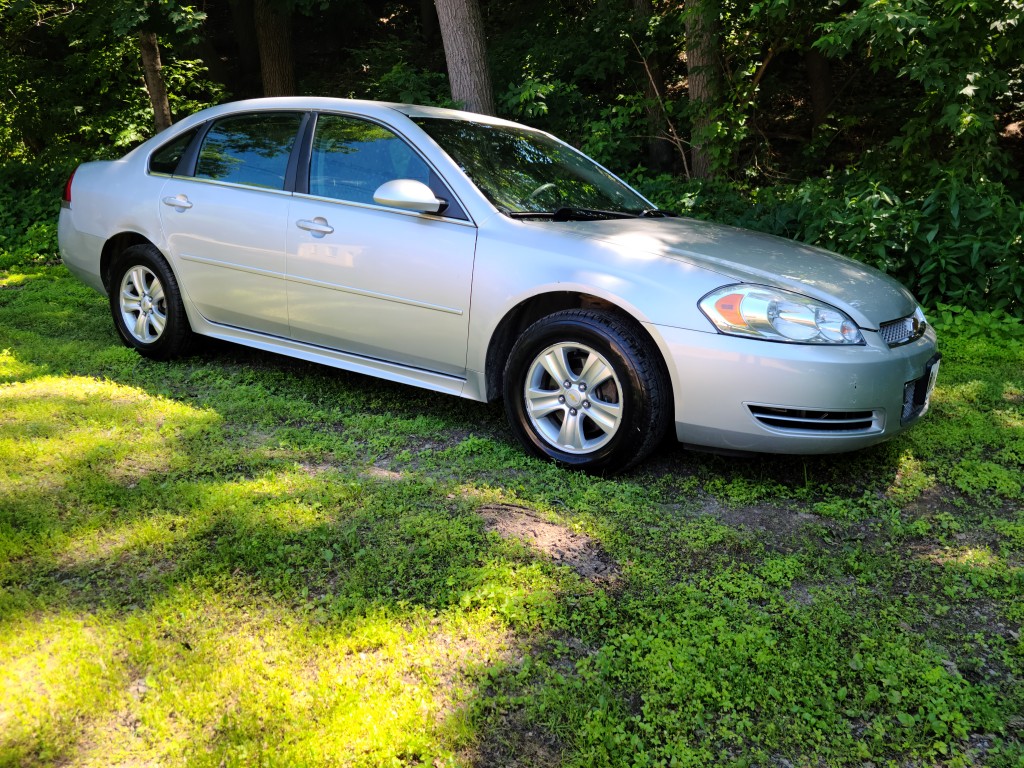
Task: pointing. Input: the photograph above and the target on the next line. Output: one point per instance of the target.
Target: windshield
(523, 172)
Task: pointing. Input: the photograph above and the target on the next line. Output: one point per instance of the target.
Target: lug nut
(572, 411)
(586, 403)
(561, 399)
(567, 384)
(583, 386)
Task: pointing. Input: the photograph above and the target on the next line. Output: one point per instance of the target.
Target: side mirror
(409, 195)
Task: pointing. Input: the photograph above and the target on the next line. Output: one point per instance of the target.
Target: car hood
(867, 295)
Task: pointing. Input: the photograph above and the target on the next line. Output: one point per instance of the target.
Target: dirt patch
(379, 473)
(780, 529)
(576, 550)
(932, 501)
(513, 743)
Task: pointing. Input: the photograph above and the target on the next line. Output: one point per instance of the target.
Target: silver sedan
(482, 258)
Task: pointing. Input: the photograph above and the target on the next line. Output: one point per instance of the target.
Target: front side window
(522, 171)
(249, 149)
(351, 158)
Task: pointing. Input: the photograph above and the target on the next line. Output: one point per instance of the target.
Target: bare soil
(578, 551)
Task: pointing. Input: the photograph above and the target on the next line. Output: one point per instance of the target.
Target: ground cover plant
(238, 559)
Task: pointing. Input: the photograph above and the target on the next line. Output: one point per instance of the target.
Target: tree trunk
(704, 71)
(659, 151)
(248, 82)
(274, 37)
(152, 71)
(819, 80)
(465, 51)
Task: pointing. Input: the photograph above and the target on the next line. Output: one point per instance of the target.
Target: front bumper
(741, 394)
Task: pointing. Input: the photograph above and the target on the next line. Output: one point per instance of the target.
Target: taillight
(66, 199)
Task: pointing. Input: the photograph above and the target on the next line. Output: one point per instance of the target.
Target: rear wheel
(586, 389)
(146, 304)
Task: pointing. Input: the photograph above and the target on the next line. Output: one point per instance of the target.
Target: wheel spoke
(130, 303)
(556, 363)
(543, 402)
(158, 321)
(140, 327)
(595, 371)
(571, 433)
(138, 279)
(156, 292)
(605, 415)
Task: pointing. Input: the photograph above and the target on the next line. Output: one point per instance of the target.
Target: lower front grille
(917, 392)
(803, 420)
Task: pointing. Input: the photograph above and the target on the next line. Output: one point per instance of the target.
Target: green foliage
(997, 325)
(75, 75)
(386, 74)
(963, 56)
(952, 242)
(28, 217)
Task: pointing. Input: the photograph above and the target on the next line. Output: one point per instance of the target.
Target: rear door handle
(317, 226)
(178, 202)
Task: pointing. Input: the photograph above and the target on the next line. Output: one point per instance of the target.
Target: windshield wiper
(571, 214)
(657, 213)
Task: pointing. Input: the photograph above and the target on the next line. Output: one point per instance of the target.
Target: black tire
(146, 305)
(631, 399)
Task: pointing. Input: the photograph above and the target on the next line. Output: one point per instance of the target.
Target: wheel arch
(118, 244)
(530, 310)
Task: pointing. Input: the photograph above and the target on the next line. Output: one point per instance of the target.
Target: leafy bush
(950, 241)
(28, 217)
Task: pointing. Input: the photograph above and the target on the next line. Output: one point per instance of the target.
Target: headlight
(769, 313)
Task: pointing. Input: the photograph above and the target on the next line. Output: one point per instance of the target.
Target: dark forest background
(890, 131)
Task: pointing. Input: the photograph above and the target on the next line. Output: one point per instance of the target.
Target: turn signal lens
(760, 312)
(729, 308)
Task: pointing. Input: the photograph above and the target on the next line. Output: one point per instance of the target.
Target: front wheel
(586, 389)
(146, 304)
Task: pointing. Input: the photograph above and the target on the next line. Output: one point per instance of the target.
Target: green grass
(240, 559)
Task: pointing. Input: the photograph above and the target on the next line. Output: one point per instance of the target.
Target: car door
(225, 223)
(376, 281)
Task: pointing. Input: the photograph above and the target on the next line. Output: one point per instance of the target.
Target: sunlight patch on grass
(72, 445)
(971, 557)
(203, 677)
(54, 671)
(12, 279)
(156, 531)
(910, 481)
(13, 369)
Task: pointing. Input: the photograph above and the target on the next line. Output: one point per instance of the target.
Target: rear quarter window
(167, 157)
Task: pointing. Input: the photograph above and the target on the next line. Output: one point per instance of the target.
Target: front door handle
(180, 202)
(317, 226)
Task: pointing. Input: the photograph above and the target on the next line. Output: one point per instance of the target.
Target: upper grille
(903, 331)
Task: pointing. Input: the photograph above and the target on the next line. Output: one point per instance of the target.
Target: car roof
(328, 103)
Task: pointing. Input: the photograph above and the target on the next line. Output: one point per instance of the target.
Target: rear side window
(249, 149)
(166, 159)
